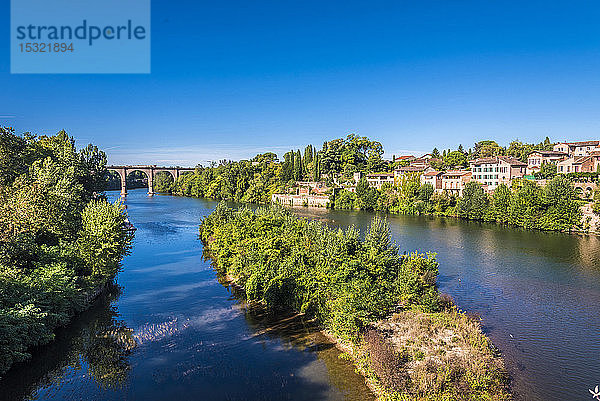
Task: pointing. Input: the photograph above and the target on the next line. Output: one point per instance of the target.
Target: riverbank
(425, 350)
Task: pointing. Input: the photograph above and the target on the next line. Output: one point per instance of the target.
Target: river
(171, 330)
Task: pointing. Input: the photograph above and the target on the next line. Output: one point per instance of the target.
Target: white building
(376, 180)
(454, 182)
(493, 171)
(576, 149)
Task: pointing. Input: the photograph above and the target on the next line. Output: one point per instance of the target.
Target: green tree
(308, 155)
(366, 197)
(501, 203)
(526, 206)
(308, 162)
(297, 166)
(103, 241)
(287, 170)
(57, 247)
(547, 171)
(474, 202)
(345, 200)
(487, 148)
(163, 182)
(94, 167)
(596, 201)
(425, 192)
(455, 158)
(317, 169)
(360, 152)
(562, 210)
(547, 145)
(12, 155)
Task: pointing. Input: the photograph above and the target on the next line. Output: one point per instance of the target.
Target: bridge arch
(149, 170)
(585, 188)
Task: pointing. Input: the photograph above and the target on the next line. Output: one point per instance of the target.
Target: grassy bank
(407, 340)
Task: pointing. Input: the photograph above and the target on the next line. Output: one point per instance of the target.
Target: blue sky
(233, 78)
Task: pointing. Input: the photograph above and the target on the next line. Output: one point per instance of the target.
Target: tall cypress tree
(308, 155)
(287, 172)
(298, 166)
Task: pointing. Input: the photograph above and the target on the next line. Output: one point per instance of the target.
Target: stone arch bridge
(150, 171)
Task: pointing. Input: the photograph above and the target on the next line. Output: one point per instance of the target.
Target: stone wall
(300, 200)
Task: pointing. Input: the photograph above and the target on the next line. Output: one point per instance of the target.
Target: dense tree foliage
(332, 275)
(474, 202)
(596, 202)
(487, 149)
(553, 207)
(520, 150)
(251, 181)
(516, 149)
(351, 154)
(547, 170)
(256, 180)
(59, 240)
(455, 159)
(163, 182)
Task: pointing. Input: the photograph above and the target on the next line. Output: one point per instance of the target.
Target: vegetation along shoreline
(410, 342)
(523, 185)
(61, 241)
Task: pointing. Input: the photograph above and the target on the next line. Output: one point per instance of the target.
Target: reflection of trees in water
(107, 349)
(297, 331)
(95, 338)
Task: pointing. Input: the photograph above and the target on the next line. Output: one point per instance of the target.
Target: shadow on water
(295, 332)
(94, 339)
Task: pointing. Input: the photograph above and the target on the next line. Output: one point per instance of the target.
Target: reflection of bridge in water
(150, 170)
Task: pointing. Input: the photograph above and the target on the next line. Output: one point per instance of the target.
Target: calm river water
(538, 295)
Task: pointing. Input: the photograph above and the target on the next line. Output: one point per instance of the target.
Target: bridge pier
(150, 175)
(123, 174)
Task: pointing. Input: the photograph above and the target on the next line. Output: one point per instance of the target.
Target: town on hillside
(572, 158)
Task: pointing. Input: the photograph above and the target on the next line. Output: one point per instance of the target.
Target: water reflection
(96, 339)
(295, 331)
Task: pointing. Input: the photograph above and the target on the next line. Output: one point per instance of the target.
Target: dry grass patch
(434, 356)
